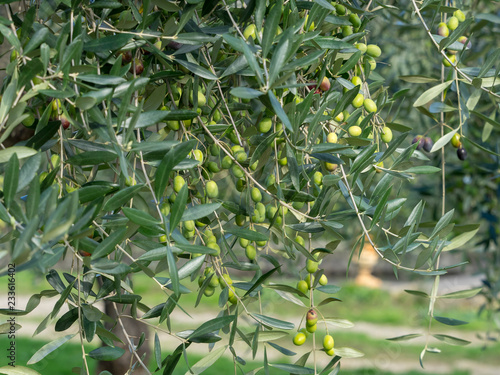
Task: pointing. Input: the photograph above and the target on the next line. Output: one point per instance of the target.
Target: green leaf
(245, 93)
(443, 141)
(196, 249)
(212, 326)
(450, 321)
(430, 94)
(169, 161)
(442, 223)
(487, 119)
(199, 211)
(140, 217)
(172, 270)
(462, 293)
(410, 336)
(11, 180)
(278, 109)
(122, 197)
(157, 350)
(18, 370)
(197, 69)
(262, 147)
(271, 27)
(261, 280)
(248, 234)
(106, 353)
(423, 169)
(146, 119)
(92, 158)
(348, 352)
(108, 245)
(462, 238)
(293, 369)
(417, 293)
(452, 340)
(49, 348)
(178, 207)
(8, 98)
(108, 43)
(328, 289)
(273, 322)
(207, 361)
(418, 79)
(336, 322)
(349, 64)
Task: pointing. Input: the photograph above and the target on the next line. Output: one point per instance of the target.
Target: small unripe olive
(452, 58)
(386, 134)
(299, 339)
(243, 242)
(209, 291)
(331, 138)
(339, 117)
(355, 131)
(361, 46)
(250, 252)
(323, 280)
(459, 15)
(370, 105)
(214, 150)
(318, 178)
(198, 155)
(373, 50)
(265, 125)
(453, 23)
(165, 208)
(174, 125)
(250, 31)
(328, 342)
(283, 161)
(178, 183)
(202, 100)
(256, 195)
(330, 167)
(212, 189)
(356, 81)
(227, 162)
(240, 220)
(261, 243)
(189, 225)
(271, 212)
(312, 328)
(237, 171)
(213, 167)
(340, 9)
(346, 31)
(214, 246)
(302, 286)
(214, 282)
(309, 280)
(311, 266)
(331, 352)
(241, 156)
(358, 101)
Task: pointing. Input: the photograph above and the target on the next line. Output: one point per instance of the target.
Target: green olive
(250, 252)
(212, 189)
(358, 101)
(299, 339)
(370, 105)
(386, 134)
(355, 131)
(265, 125)
(179, 182)
(373, 50)
(302, 286)
(328, 342)
(311, 266)
(256, 195)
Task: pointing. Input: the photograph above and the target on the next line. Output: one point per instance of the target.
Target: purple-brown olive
(461, 153)
(428, 143)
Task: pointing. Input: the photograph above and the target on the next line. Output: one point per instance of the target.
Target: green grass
(69, 356)
(358, 303)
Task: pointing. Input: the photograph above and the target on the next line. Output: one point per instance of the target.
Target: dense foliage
(220, 142)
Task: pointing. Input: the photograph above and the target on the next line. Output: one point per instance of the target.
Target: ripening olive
(428, 143)
(325, 84)
(455, 140)
(443, 30)
(311, 317)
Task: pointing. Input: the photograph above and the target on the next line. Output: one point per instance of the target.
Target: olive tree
(218, 143)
